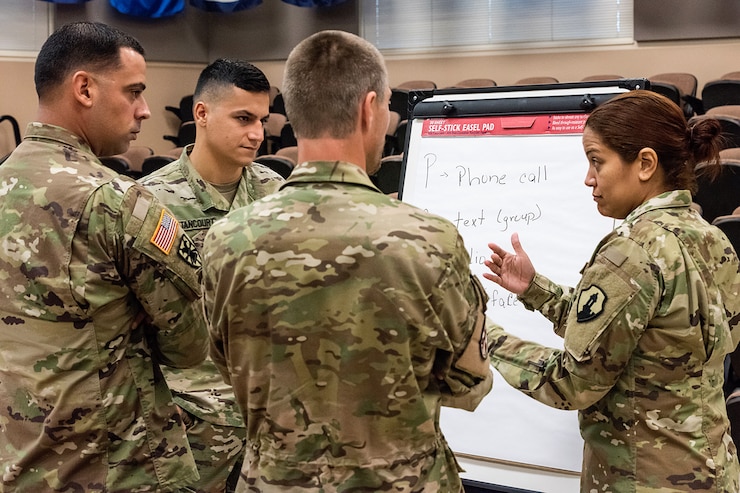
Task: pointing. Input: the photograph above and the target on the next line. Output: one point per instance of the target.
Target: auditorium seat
(686, 84)
(718, 196)
(388, 177)
(273, 131)
(416, 85)
(274, 91)
(135, 155)
(545, 79)
(291, 152)
(720, 93)
(598, 77)
(668, 90)
(119, 164)
(391, 146)
(474, 83)
(401, 136)
(279, 164)
(183, 111)
(684, 81)
(730, 153)
(278, 104)
(155, 162)
(726, 109)
(287, 136)
(399, 103)
(185, 134)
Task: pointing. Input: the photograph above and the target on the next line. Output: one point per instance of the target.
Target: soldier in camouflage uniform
(99, 287)
(647, 328)
(212, 177)
(343, 318)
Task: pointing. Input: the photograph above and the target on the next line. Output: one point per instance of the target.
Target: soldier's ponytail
(705, 142)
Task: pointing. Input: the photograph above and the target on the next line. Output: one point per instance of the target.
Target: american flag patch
(164, 236)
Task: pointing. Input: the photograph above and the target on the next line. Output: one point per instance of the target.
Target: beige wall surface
(168, 82)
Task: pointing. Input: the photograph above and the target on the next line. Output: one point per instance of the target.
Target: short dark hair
(80, 45)
(228, 72)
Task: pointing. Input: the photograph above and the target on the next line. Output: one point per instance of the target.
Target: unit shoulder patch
(590, 303)
(188, 252)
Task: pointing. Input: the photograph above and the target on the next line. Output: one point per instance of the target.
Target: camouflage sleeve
(616, 298)
(461, 303)
(732, 304)
(550, 299)
(728, 278)
(161, 267)
(213, 303)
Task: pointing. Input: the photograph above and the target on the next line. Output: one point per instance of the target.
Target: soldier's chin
(114, 149)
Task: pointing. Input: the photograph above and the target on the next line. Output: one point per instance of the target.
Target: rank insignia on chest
(590, 303)
(166, 232)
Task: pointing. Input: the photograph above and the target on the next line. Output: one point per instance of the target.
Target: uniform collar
(45, 131)
(206, 193)
(666, 200)
(329, 171)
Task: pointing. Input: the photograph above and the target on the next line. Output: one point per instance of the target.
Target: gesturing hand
(512, 271)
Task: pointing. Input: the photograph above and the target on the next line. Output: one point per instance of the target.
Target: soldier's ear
(648, 163)
(200, 113)
(83, 87)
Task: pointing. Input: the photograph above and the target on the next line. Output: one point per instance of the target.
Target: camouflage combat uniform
(645, 333)
(85, 252)
(214, 423)
(340, 316)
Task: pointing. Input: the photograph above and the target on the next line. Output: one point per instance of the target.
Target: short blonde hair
(326, 76)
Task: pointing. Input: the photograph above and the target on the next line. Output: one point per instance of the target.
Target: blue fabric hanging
(314, 3)
(150, 9)
(225, 6)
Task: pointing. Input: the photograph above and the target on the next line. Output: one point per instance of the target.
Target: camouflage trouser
(217, 450)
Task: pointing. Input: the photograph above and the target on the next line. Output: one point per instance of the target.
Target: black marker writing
(521, 217)
(465, 177)
(476, 258)
(430, 160)
(503, 300)
(469, 222)
(535, 176)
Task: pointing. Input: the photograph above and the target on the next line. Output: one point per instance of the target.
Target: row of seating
(282, 161)
(139, 160)
(719, 98)
(681, 87)
(718, 196)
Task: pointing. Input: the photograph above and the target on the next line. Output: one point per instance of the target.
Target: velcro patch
(166, 232)
(590, 303)
(614, 256)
